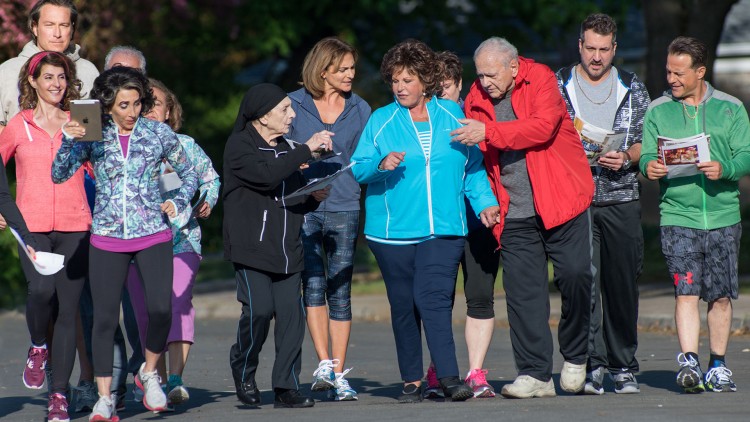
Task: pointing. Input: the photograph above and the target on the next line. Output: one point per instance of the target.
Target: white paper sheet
(45, 263)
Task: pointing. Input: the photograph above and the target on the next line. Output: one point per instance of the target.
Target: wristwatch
(627, 162)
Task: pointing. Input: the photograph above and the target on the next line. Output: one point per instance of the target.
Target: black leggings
(108, 271)
(55, 297)
(480, 264)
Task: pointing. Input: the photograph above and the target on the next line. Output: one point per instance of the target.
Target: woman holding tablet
(130, 221)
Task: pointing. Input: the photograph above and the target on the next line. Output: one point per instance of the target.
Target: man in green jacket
(700, 213)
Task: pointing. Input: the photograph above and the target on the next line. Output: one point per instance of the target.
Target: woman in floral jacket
(129, 221)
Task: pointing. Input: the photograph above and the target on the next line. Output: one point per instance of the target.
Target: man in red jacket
(538, 170)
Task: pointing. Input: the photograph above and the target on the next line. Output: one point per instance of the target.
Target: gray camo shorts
(702, 262)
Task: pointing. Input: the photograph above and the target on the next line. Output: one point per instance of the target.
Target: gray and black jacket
(614, 186)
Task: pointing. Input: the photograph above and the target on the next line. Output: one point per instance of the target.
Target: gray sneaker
(690, 376)
(594, 382)
(86, 396)
(625, 383)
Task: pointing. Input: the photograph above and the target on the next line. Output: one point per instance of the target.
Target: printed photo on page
(681, 156)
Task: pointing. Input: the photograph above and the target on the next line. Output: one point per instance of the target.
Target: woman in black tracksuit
(262, 239)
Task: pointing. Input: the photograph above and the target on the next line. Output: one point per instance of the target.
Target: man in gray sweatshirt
(52, 24)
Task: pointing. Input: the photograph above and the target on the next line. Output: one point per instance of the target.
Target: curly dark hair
(110, 82)
(418, 59)
(28, 98)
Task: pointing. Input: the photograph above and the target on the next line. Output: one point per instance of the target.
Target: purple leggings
(183, 314)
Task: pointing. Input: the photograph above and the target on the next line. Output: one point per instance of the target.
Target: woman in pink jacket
(58, 218)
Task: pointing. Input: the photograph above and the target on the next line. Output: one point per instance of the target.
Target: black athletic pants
(65, 287)
(618, 258)
(265, 296)
(526, 247)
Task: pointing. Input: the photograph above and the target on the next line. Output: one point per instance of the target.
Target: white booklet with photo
(597, 141)
(317, 184)
(681, 156)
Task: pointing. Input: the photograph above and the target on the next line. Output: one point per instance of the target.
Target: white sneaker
(324, 378)
(153, 396)
(104, 410)
(572, 377)
(526, 387)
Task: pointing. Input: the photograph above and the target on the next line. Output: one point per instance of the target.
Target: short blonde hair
(324, 54)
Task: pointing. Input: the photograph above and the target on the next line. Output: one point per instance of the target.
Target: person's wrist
(626, 162)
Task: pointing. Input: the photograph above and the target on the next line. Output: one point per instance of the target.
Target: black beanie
(258, 101)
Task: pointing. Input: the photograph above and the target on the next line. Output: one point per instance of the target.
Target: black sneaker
(454, 388)
(292, 399)
(412, 393)
(247, 392)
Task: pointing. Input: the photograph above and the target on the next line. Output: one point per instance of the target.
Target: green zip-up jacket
(695, 201)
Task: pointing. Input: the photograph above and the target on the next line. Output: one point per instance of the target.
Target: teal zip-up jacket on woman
(421, 197)
(695, 201)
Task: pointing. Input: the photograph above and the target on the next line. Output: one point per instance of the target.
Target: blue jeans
(331, 237)
(420, 281)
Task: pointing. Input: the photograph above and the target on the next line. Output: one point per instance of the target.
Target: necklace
(687, 113)
(580, 88)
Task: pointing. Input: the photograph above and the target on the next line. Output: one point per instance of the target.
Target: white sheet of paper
(45, 263)
(168, 182)
(316, 184)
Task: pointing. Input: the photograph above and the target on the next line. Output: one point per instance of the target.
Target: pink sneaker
(57, 409)
(433, 390)
(478, 382)
(33, 372)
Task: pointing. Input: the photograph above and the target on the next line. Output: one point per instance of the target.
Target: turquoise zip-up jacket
(421, 197)
(695, 201)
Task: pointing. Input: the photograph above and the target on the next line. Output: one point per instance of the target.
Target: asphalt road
(375, 377)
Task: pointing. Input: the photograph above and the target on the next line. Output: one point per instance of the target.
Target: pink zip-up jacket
(45, 206)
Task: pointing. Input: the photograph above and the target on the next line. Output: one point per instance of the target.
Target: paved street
(375, 376)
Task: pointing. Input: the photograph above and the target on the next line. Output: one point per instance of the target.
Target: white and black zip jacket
(613, 187)
(261, 228)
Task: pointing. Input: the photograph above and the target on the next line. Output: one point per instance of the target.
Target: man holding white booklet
(607, 105)
(700, 213)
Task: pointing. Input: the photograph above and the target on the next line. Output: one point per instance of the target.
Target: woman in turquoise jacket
(415, 214)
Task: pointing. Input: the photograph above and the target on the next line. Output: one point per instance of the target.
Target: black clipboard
(88, 113)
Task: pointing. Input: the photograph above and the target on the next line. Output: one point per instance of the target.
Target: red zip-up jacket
(45, 206)
(558, 171)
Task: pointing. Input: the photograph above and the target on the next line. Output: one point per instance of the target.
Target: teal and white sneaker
(324, 378)
(718, 380)
(176, 391)
(690, 376)
(342, 391)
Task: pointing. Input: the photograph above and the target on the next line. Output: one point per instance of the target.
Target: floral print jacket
(128, 202)
(185, 228)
